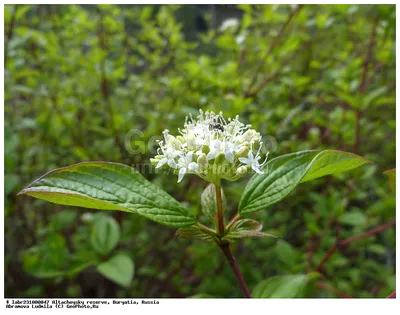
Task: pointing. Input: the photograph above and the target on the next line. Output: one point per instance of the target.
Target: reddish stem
(235, 268)
(331, 290)
(352, 239)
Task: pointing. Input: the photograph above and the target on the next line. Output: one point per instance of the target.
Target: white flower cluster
(211, 148)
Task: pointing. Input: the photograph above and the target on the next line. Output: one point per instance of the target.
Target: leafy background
(79, 78)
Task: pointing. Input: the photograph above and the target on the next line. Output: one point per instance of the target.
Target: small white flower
(229, 149)
(251, 136)
(169, 158)
(240, 39)
(215, 148)
(186, 165)
(231, 23)
(252, 161)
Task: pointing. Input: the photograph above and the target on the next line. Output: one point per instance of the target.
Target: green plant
(221, 150)
(78, 78)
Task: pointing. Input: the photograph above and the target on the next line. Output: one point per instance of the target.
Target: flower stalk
(225, 247)
(220, 210)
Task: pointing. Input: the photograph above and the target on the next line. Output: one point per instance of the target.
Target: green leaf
(284, 173)
(209, 202)
(245, 228)
(354, 218)
(10, 182)
(286, 253)
(105, 234)
(289, 286)
(109, 186)
(119, 268)
(63, 219)
(48, 259)
(195, 233)
(21, 10)
(377, 249)
(372, 96)
(392, 178)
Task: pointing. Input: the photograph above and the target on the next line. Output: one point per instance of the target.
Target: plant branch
(105, 83)
(364, 81)
(271, 48)
(235, 268)
(251, 92)
(371, 232)
(331, 290)
(9, 33)
(352, 239)
(368, 56)
(266, 80)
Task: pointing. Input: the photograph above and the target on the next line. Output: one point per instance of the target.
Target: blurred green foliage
(79, 78)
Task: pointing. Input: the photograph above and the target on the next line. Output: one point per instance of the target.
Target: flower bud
(241, 171)
(180, 139)
(239, 140)
(202, 160)
(191, 142)
(230, 129)
(174, 142)
(87, 217)
(251, 136)
(154, 162)
(205, 149)
(220, 158)
(243, 151)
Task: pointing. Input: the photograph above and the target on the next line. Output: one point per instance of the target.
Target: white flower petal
(256, 169)
(245, 160)
(171, 163)
(181, 174)
(211, 155)
(193, 167)
(188, 158)
(161, 162)
(229, 156)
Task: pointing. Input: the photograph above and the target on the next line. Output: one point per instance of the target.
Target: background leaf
(51, 259)
(392, 179)
(119, 268)
(105, 234)
(354, 218)
(290, 286)
(286, 253)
